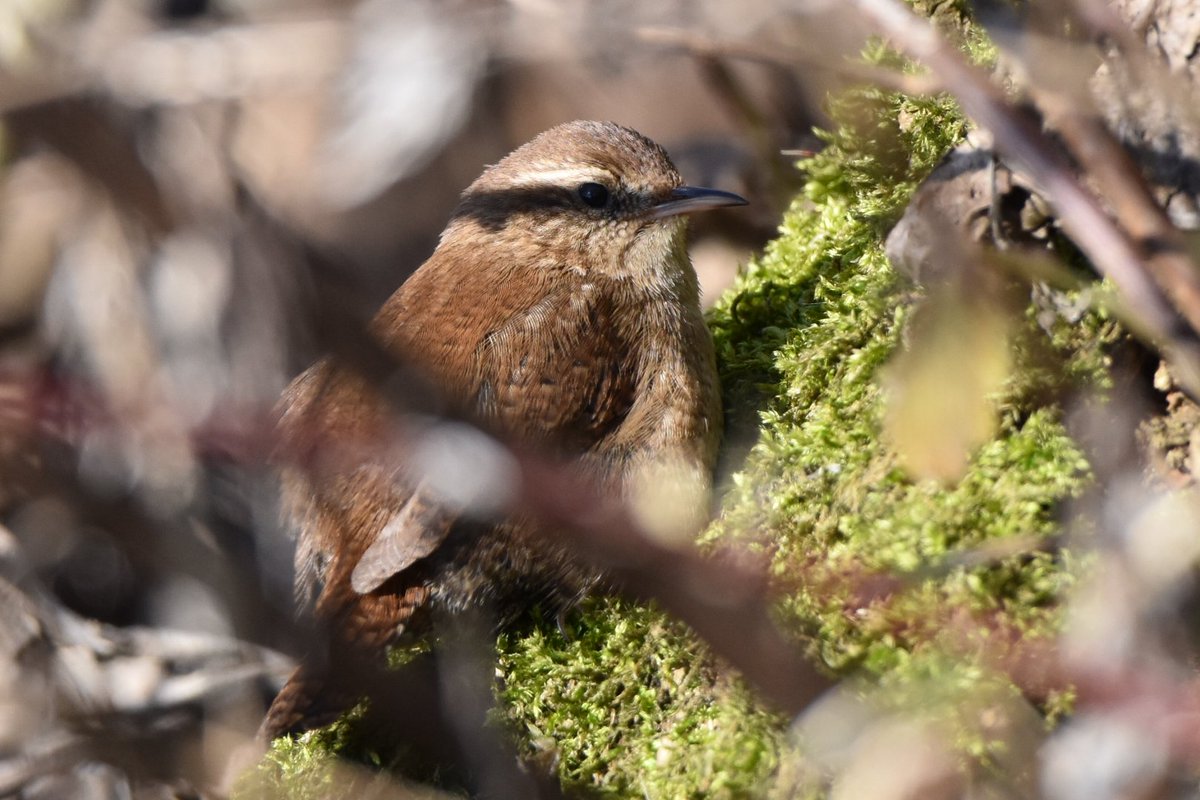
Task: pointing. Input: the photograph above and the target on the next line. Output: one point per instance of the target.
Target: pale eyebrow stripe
(562, 176)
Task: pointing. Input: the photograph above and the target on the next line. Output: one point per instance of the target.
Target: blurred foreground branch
(722, 597)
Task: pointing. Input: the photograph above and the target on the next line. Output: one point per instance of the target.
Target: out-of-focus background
(198, 198)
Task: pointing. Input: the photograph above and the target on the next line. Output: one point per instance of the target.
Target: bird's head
(589, 195)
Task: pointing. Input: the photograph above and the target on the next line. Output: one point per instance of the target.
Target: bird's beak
(689, 199)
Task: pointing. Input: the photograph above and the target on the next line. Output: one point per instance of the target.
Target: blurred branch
(1160, 705)
(724, 600)
(1108, 248)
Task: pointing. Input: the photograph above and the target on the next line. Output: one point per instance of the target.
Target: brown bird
(562, 308)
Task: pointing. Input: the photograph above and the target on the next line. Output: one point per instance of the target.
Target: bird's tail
(356, 636)
(306, 701)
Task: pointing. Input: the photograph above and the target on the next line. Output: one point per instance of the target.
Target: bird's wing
(532, 357)
(358, 521)
(412, 533)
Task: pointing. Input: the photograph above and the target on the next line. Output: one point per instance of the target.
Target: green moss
(821, 489)
(324, 764)
(632, 705)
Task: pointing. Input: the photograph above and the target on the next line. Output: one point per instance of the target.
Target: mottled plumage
(571, 325)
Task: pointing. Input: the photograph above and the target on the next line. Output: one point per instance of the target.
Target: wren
(560, 306)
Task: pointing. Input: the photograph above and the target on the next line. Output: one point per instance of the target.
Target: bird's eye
(594, 194)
